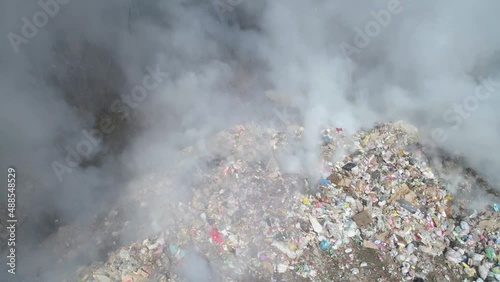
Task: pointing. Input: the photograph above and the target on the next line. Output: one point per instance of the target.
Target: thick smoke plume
(97, 94)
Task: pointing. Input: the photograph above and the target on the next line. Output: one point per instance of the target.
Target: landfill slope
(374, 211)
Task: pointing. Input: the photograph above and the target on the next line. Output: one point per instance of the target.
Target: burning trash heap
(379, 212)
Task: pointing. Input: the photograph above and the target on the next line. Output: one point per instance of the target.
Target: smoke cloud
(96, 95)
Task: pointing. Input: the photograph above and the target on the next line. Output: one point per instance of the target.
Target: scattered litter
(325, 245)
(381, 211)
(496, 207)
(349, 166)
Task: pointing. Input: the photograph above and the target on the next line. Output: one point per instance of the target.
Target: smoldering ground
(61, 74)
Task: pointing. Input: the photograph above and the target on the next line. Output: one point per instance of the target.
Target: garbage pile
(377, 213)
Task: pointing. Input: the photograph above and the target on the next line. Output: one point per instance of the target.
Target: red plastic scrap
(418, 237)
(339, 129)
(231, 169)
(215, 235)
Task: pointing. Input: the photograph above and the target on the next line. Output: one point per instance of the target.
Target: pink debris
(215, 235)
(158, 251)
(231, 169)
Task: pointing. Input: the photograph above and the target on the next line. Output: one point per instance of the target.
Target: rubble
(380, 214)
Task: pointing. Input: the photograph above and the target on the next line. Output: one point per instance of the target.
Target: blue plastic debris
(496, 207)
(325, 182)
(324, 245)
(326, 139)
(176, 251)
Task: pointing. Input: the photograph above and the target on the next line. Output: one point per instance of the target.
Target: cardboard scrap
(404, 193)
(363, 218)
(369, 245)
(489, 224)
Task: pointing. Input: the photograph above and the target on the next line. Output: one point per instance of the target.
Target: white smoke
(422, 61)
